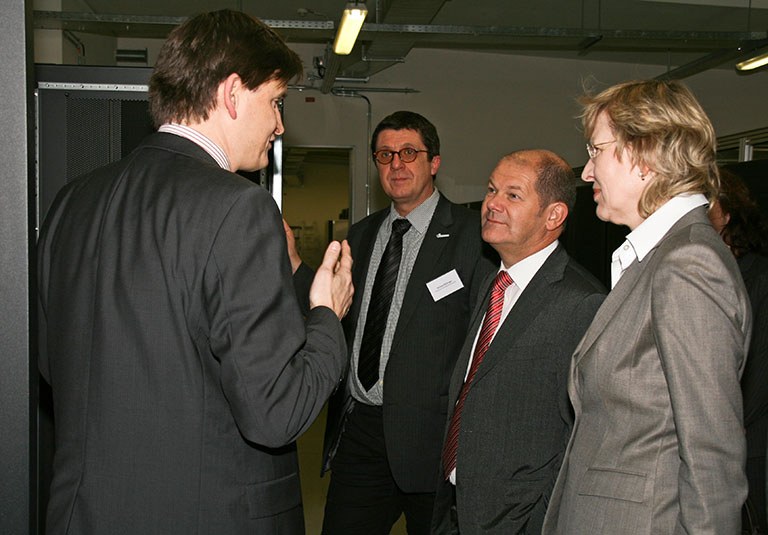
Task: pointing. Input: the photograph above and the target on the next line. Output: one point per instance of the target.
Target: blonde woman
(658, 442)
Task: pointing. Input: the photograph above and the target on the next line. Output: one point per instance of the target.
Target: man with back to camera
(385, 427)
(510, 416)
(181, 367)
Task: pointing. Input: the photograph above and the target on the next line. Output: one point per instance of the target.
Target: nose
(396, 162)
(489, 203)
(587, 174)
(279, 128)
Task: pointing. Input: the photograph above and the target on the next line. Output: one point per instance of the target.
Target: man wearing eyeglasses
(417, 268)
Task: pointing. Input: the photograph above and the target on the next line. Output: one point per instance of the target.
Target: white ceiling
(687, 36)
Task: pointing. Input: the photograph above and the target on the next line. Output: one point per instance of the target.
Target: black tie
(378, 308)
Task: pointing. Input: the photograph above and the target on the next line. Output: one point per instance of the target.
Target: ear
(645, 172)
(229, 91)
(556, 212)
(434, 165)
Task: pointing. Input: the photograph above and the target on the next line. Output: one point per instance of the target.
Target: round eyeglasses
(406, 155)
(594, 150)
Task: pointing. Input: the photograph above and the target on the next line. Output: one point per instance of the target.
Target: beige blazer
(658, 442)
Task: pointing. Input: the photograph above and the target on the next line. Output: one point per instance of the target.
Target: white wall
(487, 104)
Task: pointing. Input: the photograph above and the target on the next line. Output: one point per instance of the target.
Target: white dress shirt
(640, 241)
(522, 273)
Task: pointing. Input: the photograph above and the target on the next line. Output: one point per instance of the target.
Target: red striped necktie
(490, 324)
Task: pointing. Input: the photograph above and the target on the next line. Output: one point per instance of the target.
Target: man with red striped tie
(509, 416)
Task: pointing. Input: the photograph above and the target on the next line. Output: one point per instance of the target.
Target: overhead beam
(389, 40)
(713, 60)
(159, 26)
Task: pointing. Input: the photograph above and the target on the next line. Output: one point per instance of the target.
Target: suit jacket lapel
(539, 290)
(607, 310)
(619, 294)
(424, 269)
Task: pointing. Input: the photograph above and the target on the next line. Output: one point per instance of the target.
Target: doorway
(316, 197)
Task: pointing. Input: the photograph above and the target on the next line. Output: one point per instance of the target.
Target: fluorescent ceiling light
(351, 21)
(753, 63)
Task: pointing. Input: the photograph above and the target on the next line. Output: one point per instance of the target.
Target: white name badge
(445, 285)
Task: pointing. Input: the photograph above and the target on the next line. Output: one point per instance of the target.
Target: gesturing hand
(332, 286)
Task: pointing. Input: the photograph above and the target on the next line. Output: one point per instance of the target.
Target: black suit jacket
(426, 342)
(517, 417)
(754, 270)
(179, 361)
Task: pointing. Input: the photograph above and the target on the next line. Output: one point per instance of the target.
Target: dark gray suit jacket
(180, 364)
(754, 270)
(426, 343)
(517, 417)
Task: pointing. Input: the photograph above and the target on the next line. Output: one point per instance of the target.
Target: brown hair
(746, 229)
(203, 51)
(409, 120)
(555, 179)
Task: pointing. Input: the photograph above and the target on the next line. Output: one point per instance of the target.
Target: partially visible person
(181, 367)
(418, 265)
(738, 219)
(658, 441)
(302, 273)
(509, 414)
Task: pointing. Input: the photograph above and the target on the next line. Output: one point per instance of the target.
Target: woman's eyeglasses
(594, 150)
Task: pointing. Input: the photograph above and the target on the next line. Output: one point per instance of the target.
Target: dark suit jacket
(754, 382)
(517, 417)
(426, 343)
(179, 361)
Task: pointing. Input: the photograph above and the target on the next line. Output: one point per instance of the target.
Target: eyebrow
(405, 146)
(515, 187)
